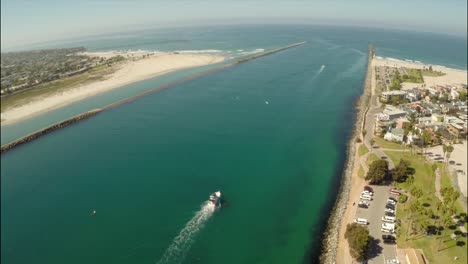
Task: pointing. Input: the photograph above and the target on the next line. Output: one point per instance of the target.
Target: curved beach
(132, 70)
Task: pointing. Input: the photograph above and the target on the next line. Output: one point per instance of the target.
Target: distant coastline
(137, 66)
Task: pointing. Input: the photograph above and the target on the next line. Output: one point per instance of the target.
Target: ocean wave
(199, 51)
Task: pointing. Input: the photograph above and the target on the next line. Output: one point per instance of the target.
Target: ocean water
(270, 134)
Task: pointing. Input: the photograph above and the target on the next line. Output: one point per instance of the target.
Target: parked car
(389, 210)
(368, 188)
(393, 261)
(361, 221)
(367, 192)
(391, 206)
(388, 239)
(389, 214)
(366, 197)
(390, 201)
(363, 204)
(394, 192)
(389, 219)
(393, 199)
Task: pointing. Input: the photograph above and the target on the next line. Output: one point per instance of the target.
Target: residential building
(393, 95)
(396, 134)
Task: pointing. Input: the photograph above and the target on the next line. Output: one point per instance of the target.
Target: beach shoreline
(136, 68)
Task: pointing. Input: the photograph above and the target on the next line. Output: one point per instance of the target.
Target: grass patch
(445, 182)
(371, 158)
(23, 97)
(413, 76)
(361, 172)
(432, 73)
(362, 150)
(387, 144)
(424, 178)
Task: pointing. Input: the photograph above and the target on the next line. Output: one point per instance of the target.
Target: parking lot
(379, 252)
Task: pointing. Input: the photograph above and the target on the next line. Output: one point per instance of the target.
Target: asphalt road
(378, 252)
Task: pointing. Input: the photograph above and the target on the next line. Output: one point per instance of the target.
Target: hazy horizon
(25, 23)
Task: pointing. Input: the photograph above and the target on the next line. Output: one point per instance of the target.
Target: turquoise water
(270, 134)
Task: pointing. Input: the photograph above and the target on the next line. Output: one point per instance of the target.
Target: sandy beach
(133, 70)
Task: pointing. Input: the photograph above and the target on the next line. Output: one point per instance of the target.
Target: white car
(366, 197)
(361, 221)
(387, 230)
(367, 192)
(388, 219)
(389, 210)
(393, 261)
(364, 202)
(390, 201)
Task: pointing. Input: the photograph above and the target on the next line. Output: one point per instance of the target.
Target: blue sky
(24, 22)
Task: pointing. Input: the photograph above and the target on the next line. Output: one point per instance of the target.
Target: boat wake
(181, 243)
(321, 69)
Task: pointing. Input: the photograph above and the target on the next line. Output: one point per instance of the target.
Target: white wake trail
(181, 243)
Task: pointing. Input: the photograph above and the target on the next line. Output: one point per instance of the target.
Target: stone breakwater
(49, 129)
(77, 118)
(331, 234)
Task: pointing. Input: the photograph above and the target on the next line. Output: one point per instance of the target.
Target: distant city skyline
(26, 22)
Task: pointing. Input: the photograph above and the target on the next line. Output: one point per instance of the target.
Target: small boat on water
(215, 198)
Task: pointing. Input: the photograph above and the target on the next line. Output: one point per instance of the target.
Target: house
(414, 95)
(457, 130)
(391, 113)
(413, 139)
(392, 95)
(396, 134)
(431, 108)
(400, 122)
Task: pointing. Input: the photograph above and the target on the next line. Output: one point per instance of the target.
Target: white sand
(131, 71)
(451, 77)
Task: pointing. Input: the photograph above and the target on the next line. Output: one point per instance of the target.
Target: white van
(361, 221)
(389, 219)
(366, 197)
(389, 228)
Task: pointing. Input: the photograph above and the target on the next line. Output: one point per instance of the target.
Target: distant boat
(215, 198)
(266, 102)
(93, 213)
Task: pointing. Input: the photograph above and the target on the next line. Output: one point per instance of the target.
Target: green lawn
(413, 76)
(361, 172)
(387, 144)
(425, 178)
(362, 150)
(432, 73)
(445, 182)
(371, 158)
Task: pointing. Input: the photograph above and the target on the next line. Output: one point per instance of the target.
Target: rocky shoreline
(331, 234)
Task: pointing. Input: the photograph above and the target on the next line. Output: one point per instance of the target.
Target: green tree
(401, 171)
(372, 142)
(378, 171)
(462, 96)
(358, 240)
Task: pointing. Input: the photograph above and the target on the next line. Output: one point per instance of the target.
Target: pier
(77, 118)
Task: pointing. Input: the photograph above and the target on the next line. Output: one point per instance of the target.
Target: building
(457, 130)
(390, 113)
(392, 95)
(396, 134)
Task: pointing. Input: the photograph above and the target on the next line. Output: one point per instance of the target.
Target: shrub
(403, 198)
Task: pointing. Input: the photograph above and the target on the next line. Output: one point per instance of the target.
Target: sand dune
(133, 70)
